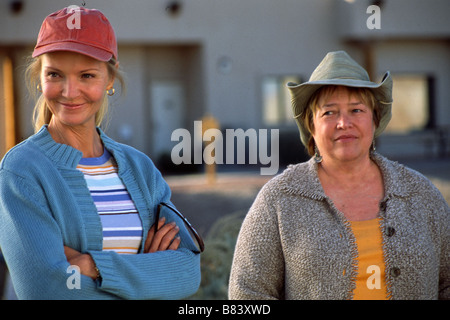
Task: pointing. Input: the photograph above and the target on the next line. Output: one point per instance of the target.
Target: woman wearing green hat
(349, 223)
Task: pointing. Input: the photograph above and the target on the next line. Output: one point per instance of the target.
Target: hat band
(351, 78)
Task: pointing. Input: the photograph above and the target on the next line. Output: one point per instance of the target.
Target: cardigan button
(395, 272)
(390, 231)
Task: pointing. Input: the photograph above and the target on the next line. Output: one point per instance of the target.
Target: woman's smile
(343, 126)
(72, 106)
(74, 87)
(346, 138)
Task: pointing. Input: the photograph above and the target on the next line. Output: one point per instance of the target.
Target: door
(168, 105)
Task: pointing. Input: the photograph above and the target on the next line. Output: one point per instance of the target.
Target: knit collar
(303, 178)
(394, 176)
(64, 155)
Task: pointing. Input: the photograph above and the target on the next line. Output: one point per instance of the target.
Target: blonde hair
(41, 112)
(324, 92)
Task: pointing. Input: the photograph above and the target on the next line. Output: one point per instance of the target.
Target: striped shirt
(122, 226)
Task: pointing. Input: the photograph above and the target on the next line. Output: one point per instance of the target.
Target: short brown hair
(364, 94)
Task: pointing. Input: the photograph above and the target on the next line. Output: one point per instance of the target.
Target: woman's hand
(164, 239)
(83, 260)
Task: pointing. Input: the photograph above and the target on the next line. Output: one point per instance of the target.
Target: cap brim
(93, 52)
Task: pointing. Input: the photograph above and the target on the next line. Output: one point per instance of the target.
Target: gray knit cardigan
(295, 244)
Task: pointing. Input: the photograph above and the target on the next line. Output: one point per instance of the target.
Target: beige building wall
(212, 56)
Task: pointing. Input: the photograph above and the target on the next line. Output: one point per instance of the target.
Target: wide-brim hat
(77, 29)
(339, 69)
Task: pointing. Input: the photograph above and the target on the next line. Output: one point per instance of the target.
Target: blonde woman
(77, 209)
(349, 223)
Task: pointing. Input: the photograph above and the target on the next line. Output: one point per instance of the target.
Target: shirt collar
(62, 154)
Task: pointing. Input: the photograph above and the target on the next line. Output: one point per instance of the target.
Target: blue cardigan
(45, 204)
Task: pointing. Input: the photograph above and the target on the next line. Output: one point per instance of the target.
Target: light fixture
(16, 6)
(173, 8)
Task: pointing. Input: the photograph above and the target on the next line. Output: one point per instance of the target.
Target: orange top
(370, 282)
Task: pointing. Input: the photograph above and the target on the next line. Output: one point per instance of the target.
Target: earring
(38, 87)
(317, 157)
(374, 148)
(110, 92)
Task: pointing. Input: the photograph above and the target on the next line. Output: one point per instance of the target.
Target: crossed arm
(164, 239)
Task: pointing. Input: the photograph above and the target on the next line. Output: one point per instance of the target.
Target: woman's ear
(112, 75)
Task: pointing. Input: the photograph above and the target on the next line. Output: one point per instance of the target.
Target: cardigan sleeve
(257, 271)
(149, 276)
(444, 276)
(33, 248)
(170, 274)
(32, 244)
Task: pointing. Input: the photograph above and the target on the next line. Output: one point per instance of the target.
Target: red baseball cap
(77, 29)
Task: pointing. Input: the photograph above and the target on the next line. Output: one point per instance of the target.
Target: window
(277, 108)
(411, 106)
